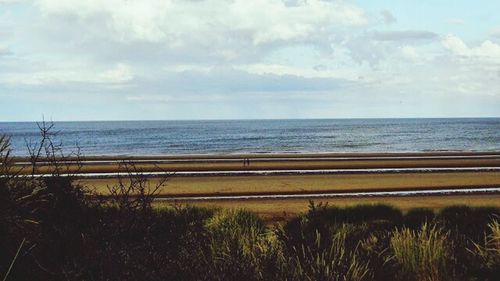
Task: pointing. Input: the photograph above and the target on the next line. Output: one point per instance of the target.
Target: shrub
(321, 214)
(415, 218)
(471, 222)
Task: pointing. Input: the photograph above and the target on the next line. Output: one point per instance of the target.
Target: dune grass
(424, 254)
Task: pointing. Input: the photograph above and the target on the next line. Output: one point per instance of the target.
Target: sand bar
(259, 162)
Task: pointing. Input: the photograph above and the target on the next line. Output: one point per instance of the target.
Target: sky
(239, 59)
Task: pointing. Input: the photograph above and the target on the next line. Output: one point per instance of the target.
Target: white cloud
(315, 72)
(67, 73)
(455, 45)
(401, 35)
(120, 74)
(410, 53)
(188, 67)
(486, 50)
(178, 23)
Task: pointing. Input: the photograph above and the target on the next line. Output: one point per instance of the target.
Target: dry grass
(424, 255)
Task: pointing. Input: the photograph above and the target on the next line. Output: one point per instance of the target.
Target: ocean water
(265, 136)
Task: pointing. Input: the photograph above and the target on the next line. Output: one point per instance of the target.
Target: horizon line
(248, 119)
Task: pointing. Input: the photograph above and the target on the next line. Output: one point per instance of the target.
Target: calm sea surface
(265, 136)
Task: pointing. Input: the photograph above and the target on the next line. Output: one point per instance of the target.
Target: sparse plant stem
(14, 260)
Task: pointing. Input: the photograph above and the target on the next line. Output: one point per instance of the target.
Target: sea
(263, 136)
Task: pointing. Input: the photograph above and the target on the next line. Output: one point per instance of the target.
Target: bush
(415, 218)
(471, 222)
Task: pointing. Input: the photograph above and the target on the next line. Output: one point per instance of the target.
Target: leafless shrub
(5, 159)
(48, 154)
(134, 190)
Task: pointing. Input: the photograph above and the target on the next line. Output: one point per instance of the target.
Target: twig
(14, 260)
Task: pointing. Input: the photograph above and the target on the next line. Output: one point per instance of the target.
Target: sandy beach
(297, 184)
(296, 174)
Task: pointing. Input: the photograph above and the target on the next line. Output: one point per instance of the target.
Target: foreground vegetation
(54, 229)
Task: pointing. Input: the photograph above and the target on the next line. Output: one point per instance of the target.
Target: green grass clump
(338, 261)
(241, 247)
(424, 254)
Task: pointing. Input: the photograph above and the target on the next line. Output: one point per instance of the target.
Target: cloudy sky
(238, 59)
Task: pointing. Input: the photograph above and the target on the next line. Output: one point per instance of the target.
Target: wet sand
(264, 162)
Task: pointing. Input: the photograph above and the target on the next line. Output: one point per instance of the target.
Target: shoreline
(278, 154)
(264, 163)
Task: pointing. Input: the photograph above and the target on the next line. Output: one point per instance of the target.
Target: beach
(227, 180)
(267, 162)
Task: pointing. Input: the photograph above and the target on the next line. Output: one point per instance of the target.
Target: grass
(424, 254)
(314, 261)
(488, 251)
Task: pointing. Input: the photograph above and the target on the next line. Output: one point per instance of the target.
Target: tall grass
(488, 253)
(336, 262)
(424, 254)
(241, 247)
